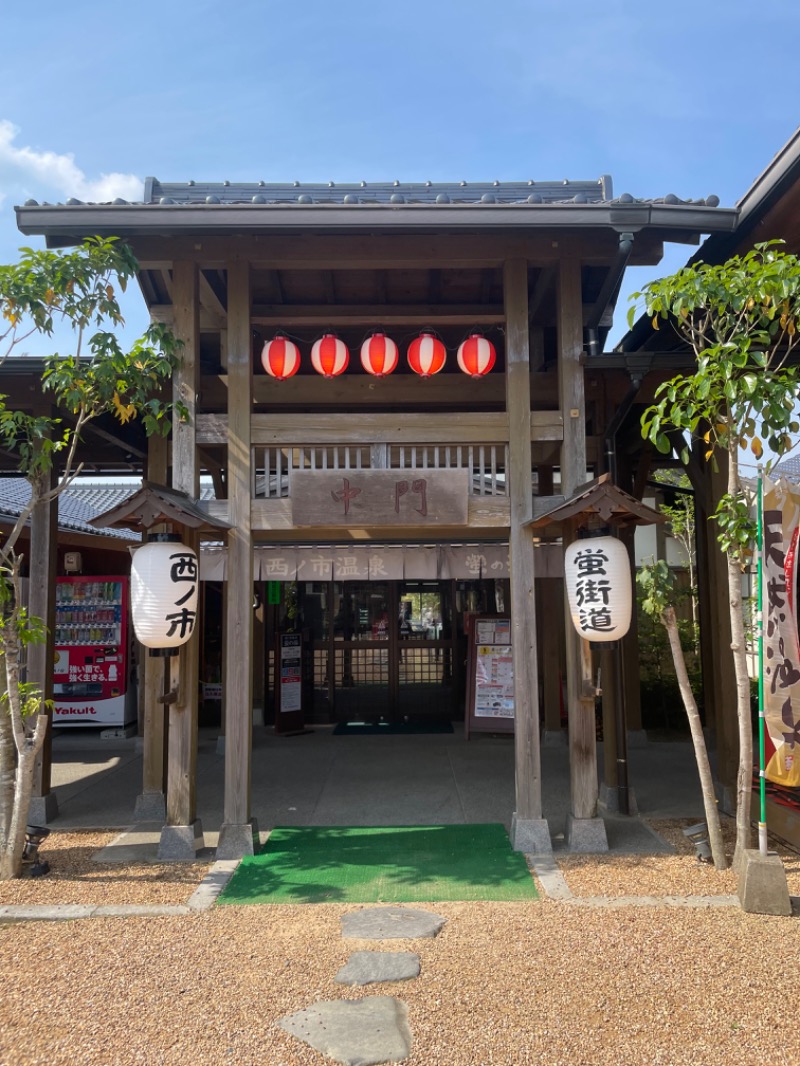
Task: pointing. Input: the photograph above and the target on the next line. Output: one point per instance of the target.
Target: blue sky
(691, 97)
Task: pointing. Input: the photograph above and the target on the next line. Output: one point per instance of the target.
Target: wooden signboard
(490, 677)
(289, 684)
(414, 497)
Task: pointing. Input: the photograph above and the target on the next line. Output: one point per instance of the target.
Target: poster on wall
(289, 684)
(490, 699)
(494, 682)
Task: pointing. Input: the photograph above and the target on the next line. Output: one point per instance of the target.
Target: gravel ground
(661, 875)
(74, 878)
(504, 984)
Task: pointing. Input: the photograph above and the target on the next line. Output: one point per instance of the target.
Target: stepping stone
(390, 923)
(369, 967)
(361, 1032)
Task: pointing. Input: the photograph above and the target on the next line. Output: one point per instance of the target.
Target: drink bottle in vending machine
(91, 677)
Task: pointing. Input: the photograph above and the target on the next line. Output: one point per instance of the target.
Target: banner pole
(762, 775)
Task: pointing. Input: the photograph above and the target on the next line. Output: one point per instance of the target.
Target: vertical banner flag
(781, 645)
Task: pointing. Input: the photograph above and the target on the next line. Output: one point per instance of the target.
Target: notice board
(490, 676)
(289, 683)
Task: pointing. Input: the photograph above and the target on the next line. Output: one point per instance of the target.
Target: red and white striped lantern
(426, 355)
(379, 355)
(330, 356)
(476, 356)
(280, 357)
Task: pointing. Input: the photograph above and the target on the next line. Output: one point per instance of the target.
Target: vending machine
(92, 675)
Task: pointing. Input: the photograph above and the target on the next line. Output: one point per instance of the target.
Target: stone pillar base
(761, 884)
(150, 807)
(586, 835)
(530, 835)
(236, 841)
(609, 799)
(181, 843)
(554, 738)
(43, 809)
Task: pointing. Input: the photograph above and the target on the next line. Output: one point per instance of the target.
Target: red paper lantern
(476, 356)
(426, 355)
(280, 357)
(330, 356)
(379, 355)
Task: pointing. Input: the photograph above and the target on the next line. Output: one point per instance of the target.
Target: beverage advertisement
(92, 657)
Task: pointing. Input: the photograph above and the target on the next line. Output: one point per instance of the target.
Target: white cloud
(27, 173)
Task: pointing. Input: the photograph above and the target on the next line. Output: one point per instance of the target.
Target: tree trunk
(11, 853)
(19, 743)
(744, 779)
(8, 761)
(698, 740)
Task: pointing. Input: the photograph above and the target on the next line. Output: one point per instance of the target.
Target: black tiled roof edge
(76, 505)
(390, 194)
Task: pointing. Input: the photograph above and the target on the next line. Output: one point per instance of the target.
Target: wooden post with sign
(490, 676)
(289, 685)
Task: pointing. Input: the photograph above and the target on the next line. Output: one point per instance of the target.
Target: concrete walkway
(320, 779)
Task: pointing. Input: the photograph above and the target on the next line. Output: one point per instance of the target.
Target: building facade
(389, 509)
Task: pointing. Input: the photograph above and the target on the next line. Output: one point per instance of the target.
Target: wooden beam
(446, 391)
(528, 772)
(155, 716)
(182, 755)
(303, 429)
(332, 314)
(580, 707)
(544, 283)
(484, 513)
(236, 835)
(570, 376)
(394, 251)
(210, 321)
(213, 292)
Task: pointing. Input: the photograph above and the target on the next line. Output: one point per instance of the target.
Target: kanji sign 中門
(403, 497)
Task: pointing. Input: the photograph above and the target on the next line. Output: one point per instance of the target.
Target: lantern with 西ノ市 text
(165, 579)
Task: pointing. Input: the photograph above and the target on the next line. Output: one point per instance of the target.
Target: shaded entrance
(390, 651)
(384, 650)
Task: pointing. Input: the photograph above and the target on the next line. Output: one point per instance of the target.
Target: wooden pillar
(552, 609)
(529, 830)
(238, 830)
(42, 604)
(585, 831)
(182, 836)
(151, 802)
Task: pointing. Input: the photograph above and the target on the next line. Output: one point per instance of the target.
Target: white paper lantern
(164, 581)
(597, 572)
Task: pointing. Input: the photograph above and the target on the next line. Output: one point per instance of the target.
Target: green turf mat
(386, 864)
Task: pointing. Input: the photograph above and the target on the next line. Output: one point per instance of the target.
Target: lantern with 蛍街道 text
(165, 579)
(597, 573)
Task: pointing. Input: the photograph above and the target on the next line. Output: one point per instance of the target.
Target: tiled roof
(391, 194)
(76, 504)
(789, 468)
